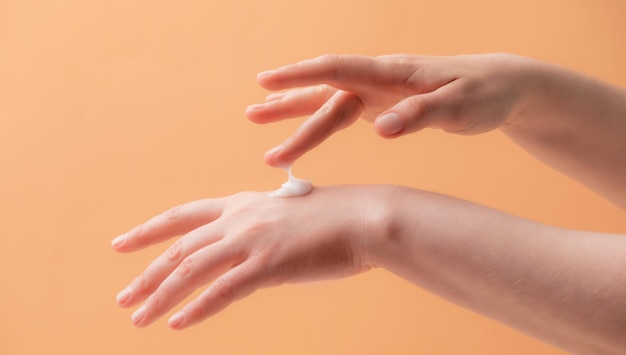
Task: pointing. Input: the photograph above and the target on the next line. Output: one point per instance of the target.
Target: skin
(574, 123)
(562, 286)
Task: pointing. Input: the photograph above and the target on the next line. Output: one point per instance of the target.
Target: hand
(400, 93)
(248, 241)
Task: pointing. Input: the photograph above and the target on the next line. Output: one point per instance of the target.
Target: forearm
(576, 124)
(565, 287)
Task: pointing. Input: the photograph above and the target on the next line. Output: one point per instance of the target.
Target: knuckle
(174, 213)
(137, 234)
(154, 302)
(202, 308)
(143, 281)
(223, 288)
(403, 64)
(140, 285)
(186, 268)
(334, 62)
(241, 198)
(329, 57)
(326, 109)
(175, 251)
(250, 223)
(197, 311)
(323, 91)
(242, 203)
(419, 110)
(456, 111)
(256, 228)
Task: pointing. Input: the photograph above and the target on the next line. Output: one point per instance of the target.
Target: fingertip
(272, 156)
(118, 242)
(389, 125)
(275, 96)
(139, 316)
(252, 110)
(264, 74)
(272, 161)
(124, 296)
(265, 79)
(177, 321)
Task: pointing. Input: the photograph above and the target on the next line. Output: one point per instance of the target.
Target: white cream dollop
(293, 187)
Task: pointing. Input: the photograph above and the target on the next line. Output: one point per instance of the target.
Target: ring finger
(161, 267)
(295, 103)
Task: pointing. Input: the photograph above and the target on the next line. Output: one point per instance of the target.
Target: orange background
(113, 111)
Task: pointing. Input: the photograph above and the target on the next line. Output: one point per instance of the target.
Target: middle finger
(196, 270)
(295, 103)
(161, 267)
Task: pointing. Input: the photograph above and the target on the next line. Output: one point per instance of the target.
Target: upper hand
(400, 94)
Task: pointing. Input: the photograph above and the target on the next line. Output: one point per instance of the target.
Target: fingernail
(124, 295)
(264, 73)
(274, 150)
(139, 315)
(274, 96)
(389, 124)
(176, 320)
(254, 107)
(118, 241)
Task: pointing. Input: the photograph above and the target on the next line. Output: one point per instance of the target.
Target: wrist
(386, 221)
(524, 79)
(533, 81)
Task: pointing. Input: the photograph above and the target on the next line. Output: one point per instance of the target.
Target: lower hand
(249, 241)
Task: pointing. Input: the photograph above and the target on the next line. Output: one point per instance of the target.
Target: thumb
(409, 115)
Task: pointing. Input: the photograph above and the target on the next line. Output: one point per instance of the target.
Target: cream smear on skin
(293, 187)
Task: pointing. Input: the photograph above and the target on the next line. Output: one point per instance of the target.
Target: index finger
(346, 72)
(339, 112)
(173, 222)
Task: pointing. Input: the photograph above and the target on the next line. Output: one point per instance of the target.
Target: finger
(416, 112)
(146, 283)
(234, 285)
(346, 72)
(274, 96)
(175, 221)
(295, 103)
(339, 112)
(196, 270)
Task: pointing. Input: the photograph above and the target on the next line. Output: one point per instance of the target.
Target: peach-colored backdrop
(112, 111)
